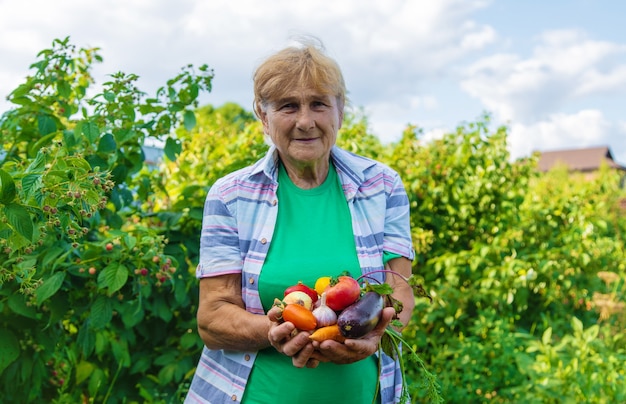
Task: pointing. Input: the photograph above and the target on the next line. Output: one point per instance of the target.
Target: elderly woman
(307, 209)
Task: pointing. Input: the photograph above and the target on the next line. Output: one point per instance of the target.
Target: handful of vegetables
(337, 308)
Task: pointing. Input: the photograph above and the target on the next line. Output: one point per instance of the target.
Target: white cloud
(571, 51)
(564, 66)
(386, 49)
(478, 37)
(389, 118)
(400, 58)
(562, 131)
(596, 82)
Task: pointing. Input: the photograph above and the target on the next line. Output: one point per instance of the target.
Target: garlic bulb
(323, 314)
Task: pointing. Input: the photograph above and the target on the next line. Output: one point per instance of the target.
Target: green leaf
(28, 262)
(130, 241)
(7, 188)
(96, 382)
(21, 90)
(577, 325)
(49, 287)
(189, 119)
(129, 110)
(141, 364)
(96, 161)
(591, 333)
(388, 344)
(120, 352)
(30, 184)
(166, 374)
(547, 336)
(64, 88)
(9, 348)
(113, 277)
(191, 339)
(69, 139)
(21, 100)
(180, 293)
(78, 162)
(20, 220)
(101, 312)
(51, 255)
(17, 303)
(91, 131)
(382, 288)
(38, 164)
(163, 310)
(107, 144)
(124, 135)
(172, 148)
(132, 314)
(36, 146)
(84, 369)
(194, 90)
(109, 96)
(46, 125)
(165, 122)
(119, 173)
(101, 343)
(86, 339)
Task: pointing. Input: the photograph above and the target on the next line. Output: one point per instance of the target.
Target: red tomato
(301, 317)
(301, 287)
(342, 293)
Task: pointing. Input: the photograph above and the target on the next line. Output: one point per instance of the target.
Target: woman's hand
(353, 350)
(286, 339)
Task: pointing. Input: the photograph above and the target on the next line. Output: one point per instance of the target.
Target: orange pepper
(328, 332)
(301, 317)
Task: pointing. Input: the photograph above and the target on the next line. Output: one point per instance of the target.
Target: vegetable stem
(391, 344)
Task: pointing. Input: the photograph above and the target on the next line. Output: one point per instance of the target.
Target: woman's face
(303, 125)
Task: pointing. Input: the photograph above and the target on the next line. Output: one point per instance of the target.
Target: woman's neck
(307, 176)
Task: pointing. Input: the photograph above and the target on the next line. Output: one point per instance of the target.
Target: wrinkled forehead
(298, 86)
(304, 92)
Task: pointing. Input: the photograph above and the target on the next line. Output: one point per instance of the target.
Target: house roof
(585, 160)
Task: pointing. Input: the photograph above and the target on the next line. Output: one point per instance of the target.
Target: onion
(324, 315)
(300, 298)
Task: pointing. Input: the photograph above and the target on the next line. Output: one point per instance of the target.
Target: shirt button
(263, 240)
(251, 280)
(274, 202)
(246, 357)
(233, 397)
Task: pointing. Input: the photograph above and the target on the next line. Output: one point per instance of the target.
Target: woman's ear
(263, 118)
(340, 109)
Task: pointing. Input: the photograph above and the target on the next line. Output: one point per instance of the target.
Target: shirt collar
(350, 167)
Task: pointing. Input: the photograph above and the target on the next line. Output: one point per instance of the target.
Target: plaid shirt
(239, 219)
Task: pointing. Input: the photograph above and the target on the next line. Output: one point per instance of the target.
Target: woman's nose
(305, 120)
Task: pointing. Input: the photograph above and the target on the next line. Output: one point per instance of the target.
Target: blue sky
(553, 71)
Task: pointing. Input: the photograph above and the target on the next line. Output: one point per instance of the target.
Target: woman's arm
(401, 290)
(223, 322)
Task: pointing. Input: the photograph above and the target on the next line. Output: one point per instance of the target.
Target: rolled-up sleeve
(397, 237)
(219, 239)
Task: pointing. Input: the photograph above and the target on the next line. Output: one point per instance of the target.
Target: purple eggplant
(361, 317)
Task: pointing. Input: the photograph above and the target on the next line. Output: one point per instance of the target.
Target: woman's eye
(318, 104)
(288, 106)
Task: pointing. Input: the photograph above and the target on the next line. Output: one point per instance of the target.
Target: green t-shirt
(313, 238)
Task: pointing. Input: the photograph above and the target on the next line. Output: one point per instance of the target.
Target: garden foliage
(98, 246)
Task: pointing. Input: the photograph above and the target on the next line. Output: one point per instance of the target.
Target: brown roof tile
(587, 159)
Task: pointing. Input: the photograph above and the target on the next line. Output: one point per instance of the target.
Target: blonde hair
(294, 66)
